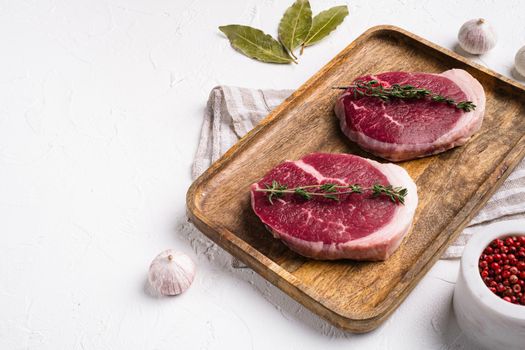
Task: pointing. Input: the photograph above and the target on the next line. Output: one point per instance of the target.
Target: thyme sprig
(372, 88)
(331, 191)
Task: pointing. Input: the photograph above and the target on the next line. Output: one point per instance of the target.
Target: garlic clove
(171, 272)
(477, 36)
(519, 61)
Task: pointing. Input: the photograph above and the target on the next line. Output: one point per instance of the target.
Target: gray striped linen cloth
(232, 111)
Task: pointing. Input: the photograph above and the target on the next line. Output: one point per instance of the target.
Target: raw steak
(400, 129)
(359, 226)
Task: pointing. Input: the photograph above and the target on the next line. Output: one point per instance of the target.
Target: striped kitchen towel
(231, 112)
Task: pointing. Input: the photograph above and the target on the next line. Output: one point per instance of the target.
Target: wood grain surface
(452, 186)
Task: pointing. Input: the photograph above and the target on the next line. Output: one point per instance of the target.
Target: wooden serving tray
(452, 186)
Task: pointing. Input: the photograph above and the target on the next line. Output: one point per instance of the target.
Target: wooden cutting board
(452, 186)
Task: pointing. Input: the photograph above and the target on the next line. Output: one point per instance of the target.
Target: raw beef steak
(401, 129)
(358, 226)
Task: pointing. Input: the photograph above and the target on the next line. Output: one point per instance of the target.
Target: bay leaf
(324, 23)
(255, 44)
(295, 25)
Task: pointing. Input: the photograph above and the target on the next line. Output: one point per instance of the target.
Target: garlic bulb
(519, 61)
(477, 36)
(171, 272)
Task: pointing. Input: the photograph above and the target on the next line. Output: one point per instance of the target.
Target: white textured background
(100, 109)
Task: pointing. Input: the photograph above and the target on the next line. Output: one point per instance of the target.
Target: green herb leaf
(275, 190)
(373, 89)
(329, 190)
(396, 194)
(295, 25)
(467, 106)
(402, 192)
(328, 187)
(301, 192)
(355, 188)
(324, 23)
(255, 44)
(270, 197)
(331, 196)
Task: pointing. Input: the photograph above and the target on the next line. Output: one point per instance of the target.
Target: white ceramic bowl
(485, 318)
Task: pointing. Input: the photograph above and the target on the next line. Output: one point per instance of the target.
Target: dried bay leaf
(295, 25)
(255, 44)
(324, 23)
